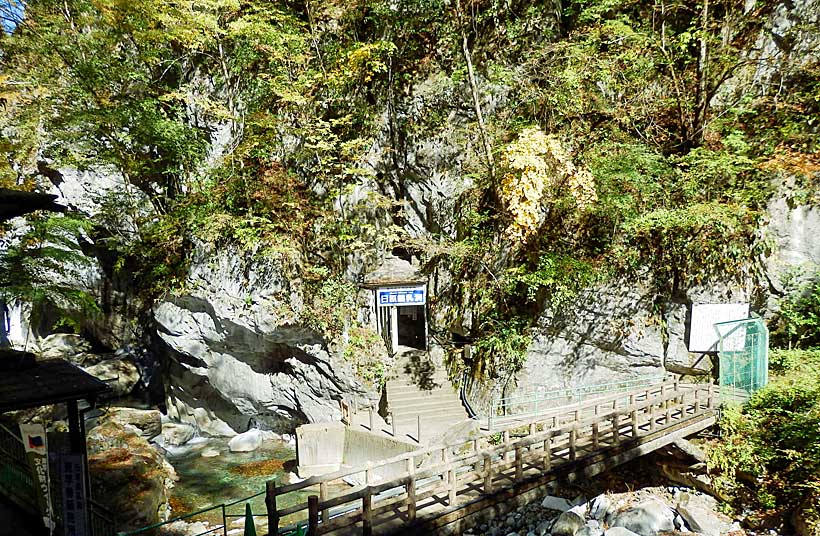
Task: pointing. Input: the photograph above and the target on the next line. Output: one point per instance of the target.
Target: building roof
(394, 271)
(46, 382)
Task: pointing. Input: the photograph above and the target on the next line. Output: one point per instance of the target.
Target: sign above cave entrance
(394, 296)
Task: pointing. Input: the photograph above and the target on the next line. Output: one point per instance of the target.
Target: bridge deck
(442, 484)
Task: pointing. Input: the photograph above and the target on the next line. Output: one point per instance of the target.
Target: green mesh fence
(743, 349)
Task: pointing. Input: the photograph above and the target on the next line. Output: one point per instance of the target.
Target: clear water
(229, 477)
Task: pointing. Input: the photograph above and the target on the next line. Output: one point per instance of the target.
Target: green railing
(537, 402)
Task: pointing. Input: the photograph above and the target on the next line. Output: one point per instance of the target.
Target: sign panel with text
(36, 445)
(396, 296)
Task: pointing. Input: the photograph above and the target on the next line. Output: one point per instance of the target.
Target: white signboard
(395, 296)
(702, 334)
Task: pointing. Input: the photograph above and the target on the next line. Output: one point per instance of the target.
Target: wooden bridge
(446, 488)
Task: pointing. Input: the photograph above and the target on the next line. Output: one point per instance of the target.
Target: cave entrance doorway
(399, 304)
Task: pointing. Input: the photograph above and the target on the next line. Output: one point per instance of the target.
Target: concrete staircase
(419, 390)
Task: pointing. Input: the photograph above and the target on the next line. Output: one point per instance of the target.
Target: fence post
(393, 423)
(709, 402)
(411, 489)
(595, 436)
(367, 514)
(490, 416)
(505, 438)
(634, 417)
(313, 515)
(548, 451)
(372, 420)
(652, 417)
(451, 477)
(368, 473)
(418, 428)
(616, 428)
(519, 463)
(323, 497)
(270, 504)
(488, 474)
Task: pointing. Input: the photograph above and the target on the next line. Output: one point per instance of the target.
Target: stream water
(228, 477)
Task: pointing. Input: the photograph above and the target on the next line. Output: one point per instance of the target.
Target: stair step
(443, 405)
(421, 395)
(431, 414)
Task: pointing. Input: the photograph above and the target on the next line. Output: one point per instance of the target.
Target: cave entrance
(399, 304)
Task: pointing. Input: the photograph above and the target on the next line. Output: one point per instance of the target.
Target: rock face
(128, 476)
(237, 356)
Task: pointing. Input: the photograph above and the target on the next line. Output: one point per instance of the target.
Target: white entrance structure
(399, 304)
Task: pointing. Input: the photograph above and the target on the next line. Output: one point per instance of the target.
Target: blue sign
(396, 296)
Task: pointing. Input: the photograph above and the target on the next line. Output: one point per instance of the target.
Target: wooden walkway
(441, 485)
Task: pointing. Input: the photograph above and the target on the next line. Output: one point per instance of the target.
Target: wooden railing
(461, 471)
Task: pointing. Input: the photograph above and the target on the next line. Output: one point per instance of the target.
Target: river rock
(247, 441)
(599, 507)
(619, 531)
(128, 476)
(567, 524)
(119, 374)
(210, 453)
(558, 504)
(698, 512)
(147, 421)
(647, 518)
(63, 346)
(175, 434)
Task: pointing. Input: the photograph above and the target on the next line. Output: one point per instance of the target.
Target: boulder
(210, 453)
(120, 374)
(128, 476)
(63, 346)
(147, 421)
(247, 441)
(619, 531)
(558, 504)
(698, 511)
(647, 518)
(175, 434)
(567, 524)
(599, 507)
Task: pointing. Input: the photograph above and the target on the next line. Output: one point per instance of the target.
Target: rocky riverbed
(648, 511)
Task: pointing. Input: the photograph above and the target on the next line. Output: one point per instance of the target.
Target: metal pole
(418, 428)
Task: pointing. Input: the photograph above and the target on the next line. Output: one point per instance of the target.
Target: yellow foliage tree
(537, 170)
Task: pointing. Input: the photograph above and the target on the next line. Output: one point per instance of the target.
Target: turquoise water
(205, 482)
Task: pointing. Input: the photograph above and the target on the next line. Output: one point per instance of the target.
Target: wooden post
(411, 489)
(548, 452)
(313, 515)
(418, 428)
(519, 463)
(634, 417)
(368, 473)
(616, 429)
(393, 423)
(652, 417)
(668, 413)
(505, 438)
(595, 444)
(531, 430)
(451, 478)
(488, 474)
(372, 420)
(709, 402)
(573, 434)
(323, 497)
(367, 514)
(270, 504)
